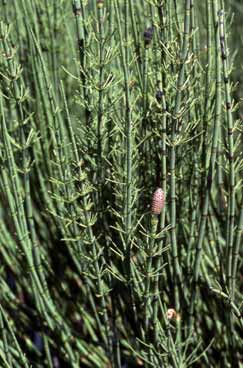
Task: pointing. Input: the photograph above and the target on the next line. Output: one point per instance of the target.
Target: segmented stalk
(210, 174)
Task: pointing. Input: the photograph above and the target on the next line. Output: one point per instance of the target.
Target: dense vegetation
(102, 103)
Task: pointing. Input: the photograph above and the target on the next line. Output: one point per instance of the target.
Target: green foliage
(101, 103)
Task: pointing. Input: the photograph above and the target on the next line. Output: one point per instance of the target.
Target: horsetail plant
(102, 102)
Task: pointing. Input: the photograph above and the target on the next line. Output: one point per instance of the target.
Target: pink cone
(158, 201)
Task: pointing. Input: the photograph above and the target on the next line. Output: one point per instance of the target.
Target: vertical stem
(228, 106)
(100, 105)
(176, 115)
(124, 49)
(210, 175)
